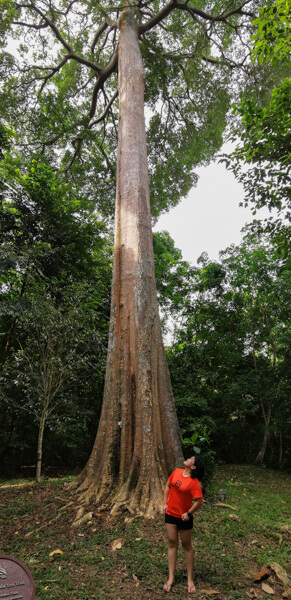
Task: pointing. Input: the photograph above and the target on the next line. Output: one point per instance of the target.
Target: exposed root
(83, 520)
(80, 513)
(145, 500)
(282, 576)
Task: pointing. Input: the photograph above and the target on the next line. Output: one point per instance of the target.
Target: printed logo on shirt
(178, 483)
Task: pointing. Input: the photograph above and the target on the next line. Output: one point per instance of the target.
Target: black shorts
(183, 525)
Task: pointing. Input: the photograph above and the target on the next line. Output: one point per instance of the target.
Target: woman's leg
(189, 556)
(172, 533)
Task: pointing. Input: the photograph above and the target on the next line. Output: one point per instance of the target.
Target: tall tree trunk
(138, 439)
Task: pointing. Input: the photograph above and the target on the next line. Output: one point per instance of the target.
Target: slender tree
(188, 57)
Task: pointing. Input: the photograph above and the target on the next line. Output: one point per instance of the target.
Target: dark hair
(198, 473)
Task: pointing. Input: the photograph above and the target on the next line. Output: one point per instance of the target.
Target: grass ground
(231, 544)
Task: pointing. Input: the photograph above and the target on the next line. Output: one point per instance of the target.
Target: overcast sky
(210, 218)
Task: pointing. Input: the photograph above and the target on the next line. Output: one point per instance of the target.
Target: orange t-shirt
(182, 491)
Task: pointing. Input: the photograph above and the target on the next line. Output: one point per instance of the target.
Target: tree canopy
(59, 87)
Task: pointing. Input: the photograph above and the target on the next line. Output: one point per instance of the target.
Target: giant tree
(61, 95)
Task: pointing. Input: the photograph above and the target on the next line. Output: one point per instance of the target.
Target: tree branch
(157, 18)
(59, 37)
(106, 110)
(31, 25)
(98, 34)
(208, 17)
(54, 70)
(80, 139)
(104, 74)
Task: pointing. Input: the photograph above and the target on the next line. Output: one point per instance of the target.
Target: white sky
(210, 218)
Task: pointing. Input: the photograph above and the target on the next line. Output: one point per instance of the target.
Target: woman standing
(181, 488)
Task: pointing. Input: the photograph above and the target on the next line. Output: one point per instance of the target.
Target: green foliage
(200, 438)
(173, 276)
(272, 41)
(55, 298)
(230, 359)
(200, 444)
(9, 12)
(265, 129)
(266, 143)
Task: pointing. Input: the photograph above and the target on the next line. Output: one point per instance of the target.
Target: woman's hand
(165, 508)
(185, 517)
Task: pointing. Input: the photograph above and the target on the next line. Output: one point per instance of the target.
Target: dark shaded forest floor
(113, 560)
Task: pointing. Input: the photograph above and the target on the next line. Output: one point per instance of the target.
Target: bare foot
(191, 588)
(168, 586)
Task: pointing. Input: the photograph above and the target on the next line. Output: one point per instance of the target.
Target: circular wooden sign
(16, 581)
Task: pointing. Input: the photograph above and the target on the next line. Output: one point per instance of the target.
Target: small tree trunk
(261, 454)
(138, 439)
(281, 449)
(40, 444)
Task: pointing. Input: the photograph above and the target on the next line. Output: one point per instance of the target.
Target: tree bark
(138, 440)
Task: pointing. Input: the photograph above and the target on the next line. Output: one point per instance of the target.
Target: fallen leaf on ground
(210, 592)
(233, 516)
(58, 551)
(267, 588)
(135, 578)
(116, 545)
(254, 542)
(263, 574)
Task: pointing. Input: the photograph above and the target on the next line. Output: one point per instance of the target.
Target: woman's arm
(186, 516)
(166, 495)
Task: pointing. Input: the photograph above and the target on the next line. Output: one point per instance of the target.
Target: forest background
(229, 355)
